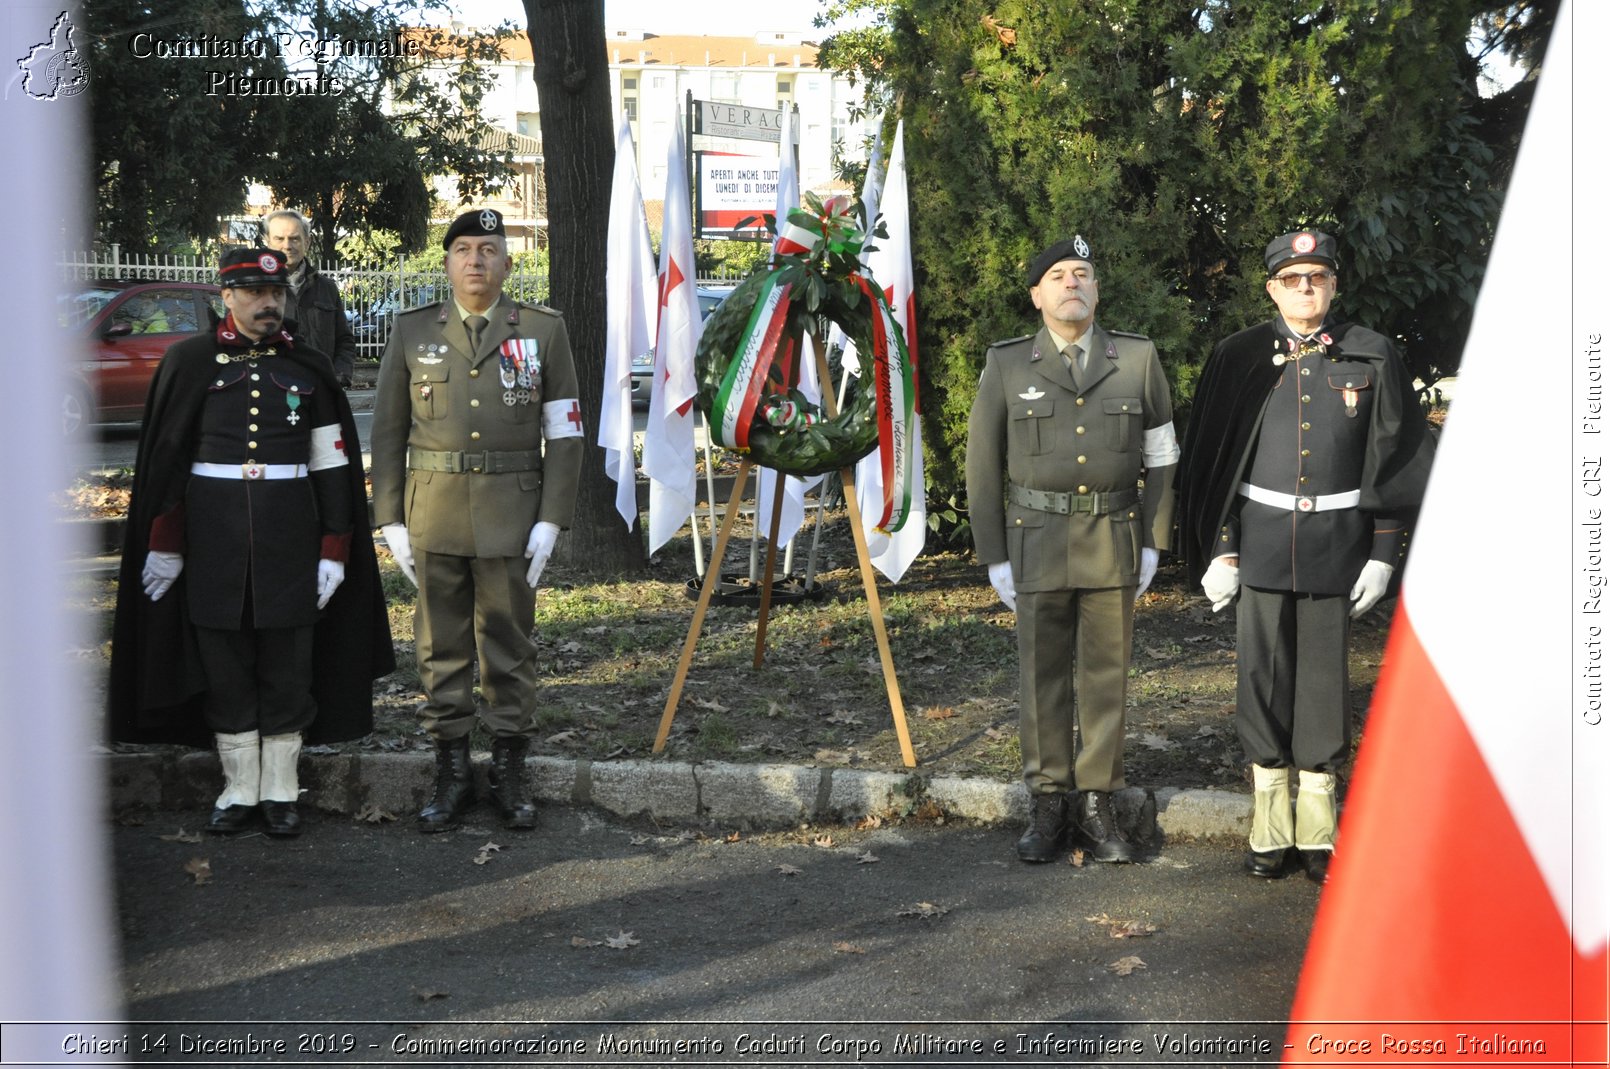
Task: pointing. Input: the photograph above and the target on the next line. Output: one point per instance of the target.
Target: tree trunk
(578, 149)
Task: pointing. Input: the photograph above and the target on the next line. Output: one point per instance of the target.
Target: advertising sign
(732, 188)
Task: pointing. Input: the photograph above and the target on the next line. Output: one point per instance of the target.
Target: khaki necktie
(1076, 359)
(477, 325)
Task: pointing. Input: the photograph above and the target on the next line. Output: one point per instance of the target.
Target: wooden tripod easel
(712, 577)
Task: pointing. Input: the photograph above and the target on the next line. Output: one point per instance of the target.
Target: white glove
(1148, 570)
(1221, 582)
(538, 548)
(1000, 577)
(1370, 586)
(161, 569)
(331, 572)
(396, 536)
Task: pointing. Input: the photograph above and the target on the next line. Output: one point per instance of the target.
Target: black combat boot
(1095, 825)
(507, 779)
(455, 787)
(1048, 825)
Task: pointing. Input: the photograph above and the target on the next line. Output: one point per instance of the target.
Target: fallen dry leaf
(925, 910)
(1125, 966)
(773, 709)
(734, 837)
(181, 836)
(1076, 858)
(788, 870)
(938, 712)
(997, 734)
(823, 841)
(841, 947)
(373, 814)
(1153, 741)
(621, 941)
(568, 735)
(868, 858)
(426, 996)
(578, 941)
(641, 840)
(710, 704)
(200, 869)
(486, 853)
(1123, 929)
(869, 822)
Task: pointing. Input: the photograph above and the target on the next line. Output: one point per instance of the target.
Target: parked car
(372, 325)
(122, 329)
(643, 363)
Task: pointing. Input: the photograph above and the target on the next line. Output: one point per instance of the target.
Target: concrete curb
(742, 796)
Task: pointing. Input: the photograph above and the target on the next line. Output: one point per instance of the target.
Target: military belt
(488, 463)
(1065, 503)
(250, 471)
(1300, 502)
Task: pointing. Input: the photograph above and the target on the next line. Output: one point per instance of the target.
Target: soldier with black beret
(476, 458)
(1065, 425)
(249, 601)
(1305, 459)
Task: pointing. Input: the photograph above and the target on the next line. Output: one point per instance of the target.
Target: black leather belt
(488, 463)
(1066, 503)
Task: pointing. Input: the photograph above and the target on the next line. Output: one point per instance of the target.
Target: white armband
(327, 450)
(562, 419)
(1158, 449)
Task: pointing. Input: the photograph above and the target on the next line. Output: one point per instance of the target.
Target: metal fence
(373, 292)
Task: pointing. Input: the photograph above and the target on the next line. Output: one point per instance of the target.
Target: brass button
(475, 471)
(1224, 538)
(1084, 489)
(1078, 430)
(1124, 407)
(1306, 399)
(1080, 401)
(254, 411)
(251, 445)
(255, 378)
(1020, 521)
(1306, 452)
(1303, 479)
(1307, 426)
(475, 436)
(256, 393)
(1029, 412)
(252, 427)
(475, 372)
(475, 402)
(1131, 515)
(1081, 460)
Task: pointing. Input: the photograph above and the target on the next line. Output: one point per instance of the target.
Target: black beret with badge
(252, 267)
(1073, 248)
(478, 223)
(1304, 246)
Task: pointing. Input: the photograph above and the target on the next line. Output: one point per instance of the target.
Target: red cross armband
(327, 450)
(562, 418)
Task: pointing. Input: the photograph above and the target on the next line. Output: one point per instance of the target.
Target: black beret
(252, 267)
(1073, 248)
(1304, 246)
(478, 222)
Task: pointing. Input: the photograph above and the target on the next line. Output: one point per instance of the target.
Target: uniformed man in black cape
(1304, 462)
(249, 609)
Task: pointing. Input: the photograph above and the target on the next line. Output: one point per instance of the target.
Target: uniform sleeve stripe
(1158, 448)
(328, 450)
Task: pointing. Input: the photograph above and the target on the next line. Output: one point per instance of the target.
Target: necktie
(477, 324)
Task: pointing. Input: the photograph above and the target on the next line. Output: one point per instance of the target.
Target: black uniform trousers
(1292, 708)
(257, 679)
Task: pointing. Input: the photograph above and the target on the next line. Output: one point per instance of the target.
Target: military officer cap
(1073, 248)
(1302, 247)
(252, 267)
(476, 223)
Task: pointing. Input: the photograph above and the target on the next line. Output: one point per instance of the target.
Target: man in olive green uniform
(477, 447)
(1065, 424)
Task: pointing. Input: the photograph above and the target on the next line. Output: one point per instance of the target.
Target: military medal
(508, 398)
(294, 401)
(1350, 399)
(424, 391)
(509, 376)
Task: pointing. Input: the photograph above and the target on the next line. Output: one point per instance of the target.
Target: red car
(123, 328)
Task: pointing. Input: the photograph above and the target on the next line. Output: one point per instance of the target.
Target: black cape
(156, 681)
(1228, 409)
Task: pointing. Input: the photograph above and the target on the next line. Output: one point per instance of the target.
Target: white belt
(1298, 502)
(249, 471)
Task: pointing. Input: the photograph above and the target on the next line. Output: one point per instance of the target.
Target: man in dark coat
(313, 302)
(249, 603)
(1304, 462)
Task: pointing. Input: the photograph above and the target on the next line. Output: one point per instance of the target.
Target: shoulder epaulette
(1126, 334)
(1010, 341)
(422, 308)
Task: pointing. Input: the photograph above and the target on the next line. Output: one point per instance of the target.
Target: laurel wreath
(824, 289)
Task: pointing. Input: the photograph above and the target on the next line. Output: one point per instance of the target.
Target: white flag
(871, 191)
(793, 516)
(668, 440)
(629, 295)
(890, 265)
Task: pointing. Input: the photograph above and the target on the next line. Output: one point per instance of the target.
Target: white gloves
(396, 536)
(1370, 586)
(1221, 581)
(538, 548)
(331, 572)
(161, 569)
(1148, 570)
(1000, 577)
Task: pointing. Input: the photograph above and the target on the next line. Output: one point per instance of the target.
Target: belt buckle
(1305, 504)
(252, 471)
